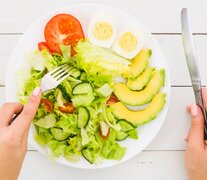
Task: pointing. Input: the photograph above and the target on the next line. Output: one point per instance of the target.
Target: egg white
(97, 19)
(131, 54)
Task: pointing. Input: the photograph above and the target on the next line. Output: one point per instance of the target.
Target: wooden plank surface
(158, 15)
(170, 44)
(2, 95)
(163, 158)
(160, 165)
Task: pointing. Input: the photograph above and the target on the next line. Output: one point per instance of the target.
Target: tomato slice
(43, 45)
(113, 99)
(68, 108)
(48, 105)
(63, 29)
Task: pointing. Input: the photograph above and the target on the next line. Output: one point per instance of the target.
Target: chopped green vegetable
(133, 134)
(46, 122)
(96, 61)
(66, 90)
(59, 134)
(87, 90)
(104, 91)
(83, 100)
(65, 52)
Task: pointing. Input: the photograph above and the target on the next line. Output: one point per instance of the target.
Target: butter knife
(191, 58)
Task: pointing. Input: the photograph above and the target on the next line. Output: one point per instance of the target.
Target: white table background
(163, 158)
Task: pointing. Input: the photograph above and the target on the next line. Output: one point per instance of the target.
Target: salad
(87, 114)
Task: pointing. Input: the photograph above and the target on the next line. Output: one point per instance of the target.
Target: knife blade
(191, 58)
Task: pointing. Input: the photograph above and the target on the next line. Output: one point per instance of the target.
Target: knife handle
(199, 102)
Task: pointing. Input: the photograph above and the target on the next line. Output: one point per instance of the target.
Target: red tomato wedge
(63, 29)
(68, 108)
(48, 105)
(43, 45)
(113, 99)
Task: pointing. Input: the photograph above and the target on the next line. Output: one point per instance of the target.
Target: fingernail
(194, 110)
(187, 108)
(186, 138)
(36, 91)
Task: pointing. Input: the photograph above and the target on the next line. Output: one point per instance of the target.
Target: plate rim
(38, 20)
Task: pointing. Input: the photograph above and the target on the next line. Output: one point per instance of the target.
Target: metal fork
(52, 79)
(55, 77)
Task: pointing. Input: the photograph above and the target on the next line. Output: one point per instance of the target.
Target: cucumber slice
(125, 125)
(59, 134)
(83, 100)
(83, 117)
(82, 88)
(75, 73)
(87, 155)
(120, 136)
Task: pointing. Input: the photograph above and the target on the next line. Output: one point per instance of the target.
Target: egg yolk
(102, 31)
(128, 41)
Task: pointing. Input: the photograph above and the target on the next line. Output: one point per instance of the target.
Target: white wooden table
(163, 158)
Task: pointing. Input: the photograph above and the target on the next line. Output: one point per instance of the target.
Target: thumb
(22, 122)
(196, 133)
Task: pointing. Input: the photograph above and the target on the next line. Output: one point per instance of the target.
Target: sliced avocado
(136, 98)
(139, 63)
(141, 81)
(140, 116)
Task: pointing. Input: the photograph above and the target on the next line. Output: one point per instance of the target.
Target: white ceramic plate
(84, 12)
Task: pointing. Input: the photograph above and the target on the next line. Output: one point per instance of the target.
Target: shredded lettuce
(26, 84)
(94, 65)
(100, 64)
(46, 122)
(36, 60)
(65, 52)
(57, 148)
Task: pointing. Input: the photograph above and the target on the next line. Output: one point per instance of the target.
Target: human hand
(196, 152)
(13, 137)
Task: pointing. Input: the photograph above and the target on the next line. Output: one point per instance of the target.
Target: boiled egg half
(102, 31)
(128, 43)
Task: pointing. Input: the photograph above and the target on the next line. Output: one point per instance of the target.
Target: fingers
(22, 122)
(8, 111)
(196, 133)
(188, 109)
(204, 96)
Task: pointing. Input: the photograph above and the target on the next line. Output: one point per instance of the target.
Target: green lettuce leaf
(100, 63)
(65, 52)
(36, 60)
(133, 134)
(68, 122)
(57, 148)
(50, 62)
(46, 122)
